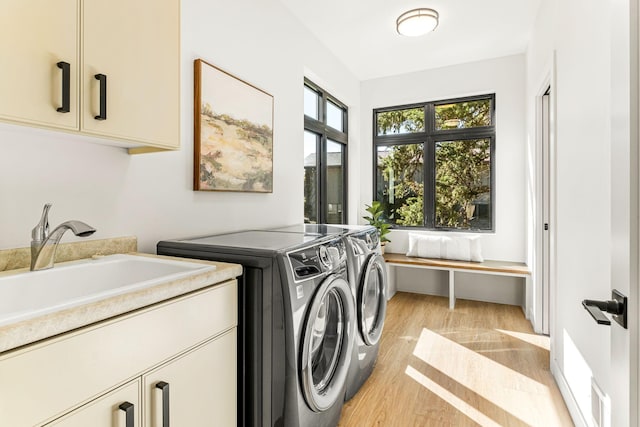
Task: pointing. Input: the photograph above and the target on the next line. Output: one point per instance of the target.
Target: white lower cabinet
(197, 389)
(95, 376)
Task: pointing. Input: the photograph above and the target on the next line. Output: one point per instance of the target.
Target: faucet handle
(41, 230)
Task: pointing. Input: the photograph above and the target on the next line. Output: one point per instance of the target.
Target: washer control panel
(364, 243)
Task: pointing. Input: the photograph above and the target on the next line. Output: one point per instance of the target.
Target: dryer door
(372, 299)
(327, 343)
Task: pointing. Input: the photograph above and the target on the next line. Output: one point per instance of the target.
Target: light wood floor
(478, 365)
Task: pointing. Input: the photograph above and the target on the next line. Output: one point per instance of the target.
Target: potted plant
(375, 218)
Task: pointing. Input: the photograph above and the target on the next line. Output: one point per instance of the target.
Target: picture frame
(233, 133)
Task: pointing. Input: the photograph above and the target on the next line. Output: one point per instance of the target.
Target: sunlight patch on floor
(513, 392)
(451, 398)
(541, 341)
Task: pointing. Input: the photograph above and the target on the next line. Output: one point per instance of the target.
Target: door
(197, 389)
(546, 208)
(36, 35)
(625, 221)
(619, 405)
(372, 299)
(327, 343)
(134, 45)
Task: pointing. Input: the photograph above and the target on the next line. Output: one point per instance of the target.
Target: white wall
(471, 286)
(579, 34)
(506, 78)
(150, 195)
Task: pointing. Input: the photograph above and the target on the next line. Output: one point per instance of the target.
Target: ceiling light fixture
(417, 22)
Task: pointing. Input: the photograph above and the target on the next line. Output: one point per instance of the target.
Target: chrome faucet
(44, 244)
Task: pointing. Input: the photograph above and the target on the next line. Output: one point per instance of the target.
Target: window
(325, 157)
(434, 163)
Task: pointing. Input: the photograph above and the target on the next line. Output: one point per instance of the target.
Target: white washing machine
(367, 277)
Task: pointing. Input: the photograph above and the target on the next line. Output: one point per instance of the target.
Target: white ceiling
(362, 34)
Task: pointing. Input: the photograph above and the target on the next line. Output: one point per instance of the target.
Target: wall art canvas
(233, 133)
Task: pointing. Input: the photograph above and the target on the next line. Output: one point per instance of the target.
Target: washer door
(327, 343)
(372, 299)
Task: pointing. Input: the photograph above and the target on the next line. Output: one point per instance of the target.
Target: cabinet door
(34, 36)
(136, 45)
(197, 389)
(119, 408)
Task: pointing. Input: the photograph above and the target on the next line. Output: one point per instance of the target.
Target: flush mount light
(417, 22)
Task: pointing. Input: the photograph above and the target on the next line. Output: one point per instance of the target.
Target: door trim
(547, 81)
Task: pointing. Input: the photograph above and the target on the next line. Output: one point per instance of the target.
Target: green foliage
(310, 186)
(411, 212)
(463, 114)
(376, 219)
(403, 168)
(400, 121)
(462, 175)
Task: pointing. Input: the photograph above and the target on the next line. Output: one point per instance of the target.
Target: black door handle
(66, 87)
(617, 307)
(165, 402)
(103, 96)
(128, 409)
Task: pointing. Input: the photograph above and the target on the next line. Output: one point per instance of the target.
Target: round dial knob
(323, 255)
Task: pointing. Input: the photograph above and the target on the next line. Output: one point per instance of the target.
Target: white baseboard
(390, 294)
(569, 400)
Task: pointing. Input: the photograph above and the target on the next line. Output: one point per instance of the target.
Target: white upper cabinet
(123, 75)
(135, 46)
(36, 35)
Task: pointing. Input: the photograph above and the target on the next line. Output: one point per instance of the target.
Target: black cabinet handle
(165, 402)
(66, 87)
(103, 96)
(128, 409)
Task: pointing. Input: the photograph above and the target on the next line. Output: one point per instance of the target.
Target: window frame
(429, 138)
(325, 133)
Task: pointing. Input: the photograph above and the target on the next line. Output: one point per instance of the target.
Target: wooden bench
(499, 268)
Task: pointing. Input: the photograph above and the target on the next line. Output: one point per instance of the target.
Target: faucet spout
(45, 244)
(78, 228)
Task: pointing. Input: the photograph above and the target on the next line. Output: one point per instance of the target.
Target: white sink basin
(35, 293)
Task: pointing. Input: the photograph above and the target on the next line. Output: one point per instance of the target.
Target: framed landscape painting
(233, 133)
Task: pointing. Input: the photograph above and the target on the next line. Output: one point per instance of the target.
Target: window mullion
(322, 179)
(429, 190)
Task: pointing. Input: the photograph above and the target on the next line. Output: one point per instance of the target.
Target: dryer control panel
(309, 262)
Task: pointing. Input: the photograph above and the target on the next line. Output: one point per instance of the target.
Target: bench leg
(391, 281)
(452, 293)
(527, 298)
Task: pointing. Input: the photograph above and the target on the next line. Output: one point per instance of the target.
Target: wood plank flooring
(478, 365)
